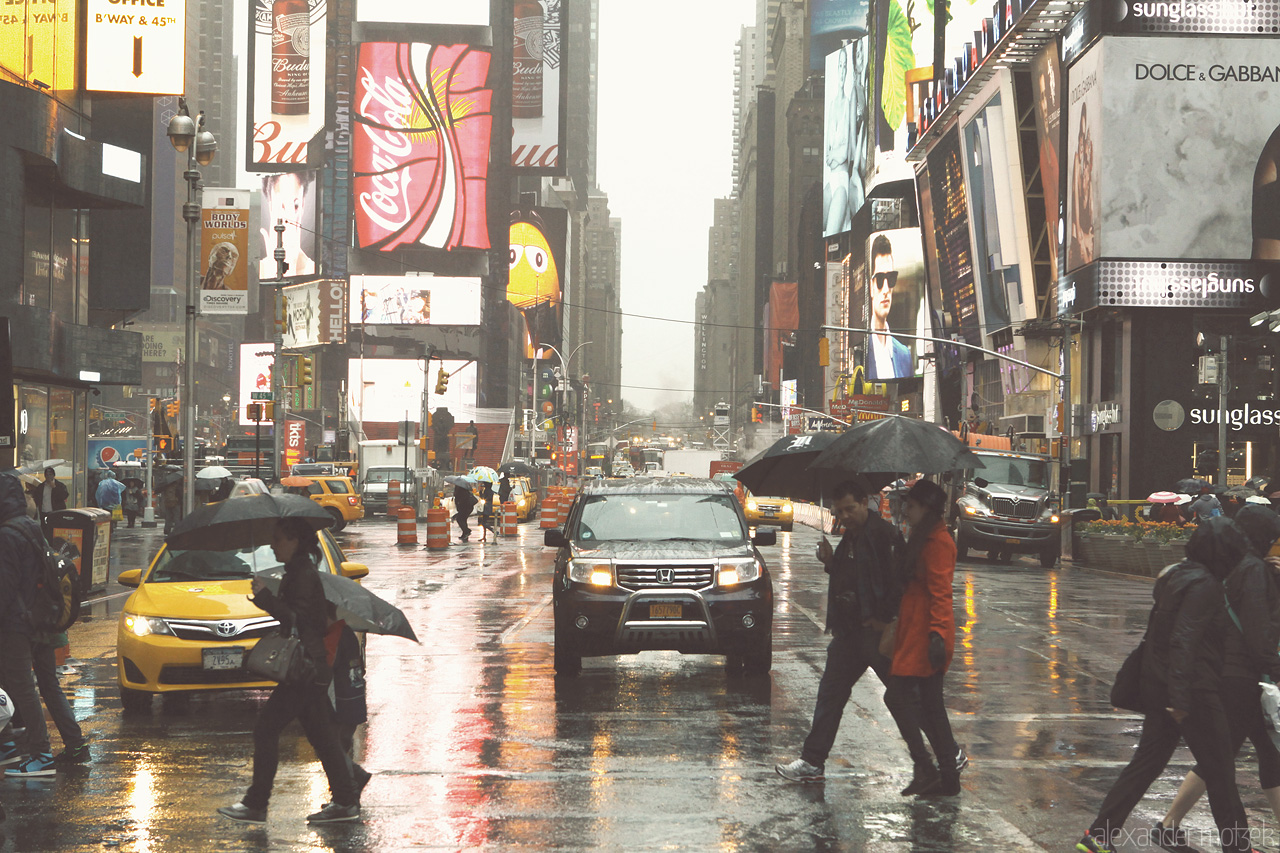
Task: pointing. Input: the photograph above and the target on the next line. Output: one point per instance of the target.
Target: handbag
(1126, 692)
(887, 638)
(281, 659)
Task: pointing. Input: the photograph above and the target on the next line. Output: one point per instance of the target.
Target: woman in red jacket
(926, 632)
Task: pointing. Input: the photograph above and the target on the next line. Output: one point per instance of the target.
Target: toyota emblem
(666, 576)
(226, 629)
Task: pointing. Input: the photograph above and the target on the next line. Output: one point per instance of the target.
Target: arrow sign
(137, 56)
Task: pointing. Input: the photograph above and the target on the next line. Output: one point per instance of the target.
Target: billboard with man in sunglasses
(896, 304)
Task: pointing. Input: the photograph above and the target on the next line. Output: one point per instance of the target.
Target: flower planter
(1153, 555)
(1081, 543)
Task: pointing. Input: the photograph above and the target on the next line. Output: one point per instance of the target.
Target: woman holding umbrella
(299, 606)
(925, 636)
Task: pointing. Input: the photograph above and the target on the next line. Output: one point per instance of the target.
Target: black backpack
(56, 606)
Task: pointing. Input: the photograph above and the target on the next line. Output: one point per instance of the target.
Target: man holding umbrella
(863, 595)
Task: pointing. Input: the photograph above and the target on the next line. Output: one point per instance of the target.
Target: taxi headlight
(591, 572)
(786, 507)
(141, 626)
(739, 571)
(751, 504)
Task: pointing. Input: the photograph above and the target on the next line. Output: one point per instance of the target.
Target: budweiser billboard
(315, 314)
(538, 88)
(295, 445)
(286, 105)
(224, 252)
(421, 147)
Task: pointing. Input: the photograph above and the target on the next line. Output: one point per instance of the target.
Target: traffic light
(757, 417)
(172, 409)
(824, 352)
(305, 364)
(253, 412)
(442, 381)
(422, 443)
(269, 411)
(163, 443)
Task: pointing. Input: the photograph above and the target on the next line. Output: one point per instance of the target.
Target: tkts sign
(421, 147)
(295, 444)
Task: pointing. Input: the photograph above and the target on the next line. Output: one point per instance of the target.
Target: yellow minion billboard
(534, 283)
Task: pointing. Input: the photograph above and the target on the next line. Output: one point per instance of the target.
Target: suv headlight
(141, 626)
(591, 572)
(739, 571)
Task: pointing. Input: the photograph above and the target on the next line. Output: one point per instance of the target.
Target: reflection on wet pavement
(475, 745)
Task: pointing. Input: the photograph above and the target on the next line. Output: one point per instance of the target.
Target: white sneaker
(799, 771)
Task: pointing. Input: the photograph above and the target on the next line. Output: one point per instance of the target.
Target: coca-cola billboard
(538, 88)
(421, 148)
(286, 88)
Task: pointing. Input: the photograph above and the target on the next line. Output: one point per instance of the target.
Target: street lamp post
(187, 134)
(564, 375)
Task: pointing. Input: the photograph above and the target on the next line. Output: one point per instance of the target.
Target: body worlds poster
(224, 252)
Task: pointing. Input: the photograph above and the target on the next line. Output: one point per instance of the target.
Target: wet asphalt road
(474, 745)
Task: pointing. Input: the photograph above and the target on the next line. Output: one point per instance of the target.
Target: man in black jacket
(19, 574)
(863, 593)
(1181, 687)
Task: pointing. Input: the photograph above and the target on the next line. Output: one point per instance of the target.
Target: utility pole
(277, 366)
(1224, 389)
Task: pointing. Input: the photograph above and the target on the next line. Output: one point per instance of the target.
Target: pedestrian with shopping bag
(301, 609)
(1181, 690)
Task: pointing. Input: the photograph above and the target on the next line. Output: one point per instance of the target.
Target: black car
(667, 563)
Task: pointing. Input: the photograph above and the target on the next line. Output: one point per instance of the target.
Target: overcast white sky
(664, 153)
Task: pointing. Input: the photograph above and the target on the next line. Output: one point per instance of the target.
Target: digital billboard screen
(288, 198)
(534, 282)
(845, 137)
(951, 234)
(421, 148)
(1180, 193)
(538, 87)
(1084, 145)
(385, 390)
(415, 300)
(286, 90)
(473, 13)
(255, 375)
(38, 41)
(992, 214)
(1046, 78)
(896, 302)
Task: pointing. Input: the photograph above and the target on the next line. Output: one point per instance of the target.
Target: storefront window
(33, 424)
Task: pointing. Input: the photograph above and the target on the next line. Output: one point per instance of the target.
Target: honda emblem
(666, 576)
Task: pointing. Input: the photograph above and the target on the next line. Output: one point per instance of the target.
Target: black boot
(923, 777)
(948, 785)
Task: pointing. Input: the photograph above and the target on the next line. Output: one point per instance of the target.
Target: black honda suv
(664, 563)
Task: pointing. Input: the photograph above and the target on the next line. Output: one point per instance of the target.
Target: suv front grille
(634, 577)
(1012, 508)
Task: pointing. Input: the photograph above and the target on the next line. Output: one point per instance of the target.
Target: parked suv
(1006, 508)
(649, 563)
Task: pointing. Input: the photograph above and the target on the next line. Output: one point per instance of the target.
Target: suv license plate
(231, 657)
(666, 611)
(1012, 541)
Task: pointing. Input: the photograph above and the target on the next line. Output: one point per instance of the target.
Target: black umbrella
(1190, 486)
(783, 471)
(163, 476)
(517, 469)
(357, 606)
(1240, 492)
(895, 445)
(244, 522)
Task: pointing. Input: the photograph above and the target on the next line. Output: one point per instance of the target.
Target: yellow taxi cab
(525, 498)
(338, 496)
(189, 623)
(772, 511)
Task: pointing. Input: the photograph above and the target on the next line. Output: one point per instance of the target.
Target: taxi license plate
(768, 514)
(666, 611)
(1012, 541)
(231, 657)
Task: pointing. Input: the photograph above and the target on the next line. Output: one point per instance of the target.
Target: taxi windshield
(657, 518)
(237, 564)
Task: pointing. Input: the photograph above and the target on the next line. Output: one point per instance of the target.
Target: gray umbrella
(243, 522)
(359, 608)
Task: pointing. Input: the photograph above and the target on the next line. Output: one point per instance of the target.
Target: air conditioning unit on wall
(1031, 426)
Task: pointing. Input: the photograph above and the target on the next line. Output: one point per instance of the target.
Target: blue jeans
(16, 674)
(44, 662)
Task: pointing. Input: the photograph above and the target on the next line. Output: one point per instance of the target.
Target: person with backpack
(20, 576)
(44, 658)
(1205, 507)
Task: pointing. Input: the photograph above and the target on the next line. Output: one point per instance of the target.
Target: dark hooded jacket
(300, 605)
(1187, 626)
(19, 563)
(1254, 594)
(863, 578)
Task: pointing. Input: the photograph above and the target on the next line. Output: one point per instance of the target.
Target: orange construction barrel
(393, 498)
(437, 528)
(562, 508)
(509, 518)
(407, 526)
(547, 511)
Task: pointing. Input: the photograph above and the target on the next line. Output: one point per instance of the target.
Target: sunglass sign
(896, 304)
